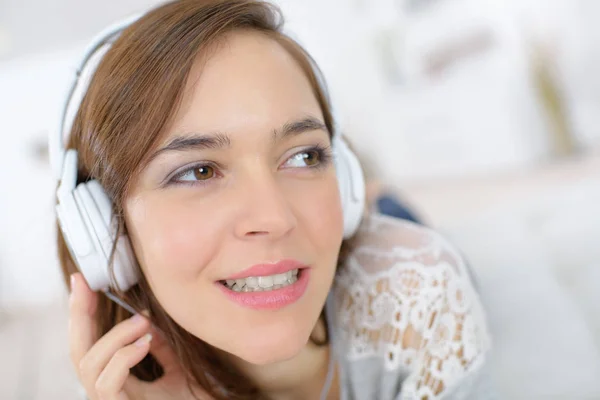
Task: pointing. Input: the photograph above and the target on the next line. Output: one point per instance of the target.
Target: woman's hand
(103, 364)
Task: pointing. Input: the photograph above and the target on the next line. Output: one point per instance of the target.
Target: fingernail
(138, 318)
(144, 340)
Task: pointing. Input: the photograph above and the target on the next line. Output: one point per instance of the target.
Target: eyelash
(323, 153)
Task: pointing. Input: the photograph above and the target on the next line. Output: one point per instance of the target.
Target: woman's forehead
(247, 81)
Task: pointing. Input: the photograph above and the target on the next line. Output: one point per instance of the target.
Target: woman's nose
(265, 210)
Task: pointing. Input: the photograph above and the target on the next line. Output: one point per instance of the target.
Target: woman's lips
(267, 269)
(270, 299)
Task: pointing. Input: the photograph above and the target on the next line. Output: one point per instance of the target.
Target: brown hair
(137, 88)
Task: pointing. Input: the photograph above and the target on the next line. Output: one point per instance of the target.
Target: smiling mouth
(263, 283)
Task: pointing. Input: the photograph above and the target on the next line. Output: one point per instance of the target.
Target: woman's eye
(315, 157)
(309, 158)
(198, 173)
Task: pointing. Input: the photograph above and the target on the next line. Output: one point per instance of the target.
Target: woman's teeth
(262, 283)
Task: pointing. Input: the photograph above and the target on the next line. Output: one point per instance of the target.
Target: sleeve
(408, 312)
(451, 340)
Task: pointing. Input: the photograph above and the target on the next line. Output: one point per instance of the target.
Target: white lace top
(406, 321)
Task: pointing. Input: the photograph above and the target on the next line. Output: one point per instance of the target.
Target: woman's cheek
(182, 244)
(176, 242)
(323, 211)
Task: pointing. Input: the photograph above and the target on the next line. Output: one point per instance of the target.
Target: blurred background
(483, 116)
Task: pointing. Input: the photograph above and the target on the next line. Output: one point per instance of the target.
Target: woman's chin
(269, 349)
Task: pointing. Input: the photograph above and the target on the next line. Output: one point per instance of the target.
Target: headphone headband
(56, 139)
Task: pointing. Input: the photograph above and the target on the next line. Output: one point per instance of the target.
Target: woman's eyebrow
(219, 140)
(293, 128)
(194, 141)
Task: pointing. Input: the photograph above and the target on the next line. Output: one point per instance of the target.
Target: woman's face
(243, 178)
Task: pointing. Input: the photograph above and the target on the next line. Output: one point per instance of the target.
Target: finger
(120, 336)
(82, 322)
(112, 380)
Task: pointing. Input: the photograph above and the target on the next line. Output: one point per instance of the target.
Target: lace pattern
(405, 296)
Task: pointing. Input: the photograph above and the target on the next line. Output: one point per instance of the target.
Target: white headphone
(85, 212)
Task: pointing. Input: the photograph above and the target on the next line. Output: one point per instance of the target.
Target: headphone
(85, 212)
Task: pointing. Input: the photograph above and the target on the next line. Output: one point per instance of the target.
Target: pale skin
(190, 229)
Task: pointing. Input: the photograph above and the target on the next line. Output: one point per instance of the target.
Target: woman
(209, 131)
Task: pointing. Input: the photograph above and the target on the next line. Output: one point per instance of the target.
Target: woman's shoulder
(404, 297)
(384, 245)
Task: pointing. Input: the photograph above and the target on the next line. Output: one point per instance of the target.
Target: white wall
(32, 26)
(30, 100)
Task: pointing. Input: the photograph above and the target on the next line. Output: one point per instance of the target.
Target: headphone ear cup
(92, 266)
(124, 266)
(351, 183)
(96, 213)
(76, 225)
